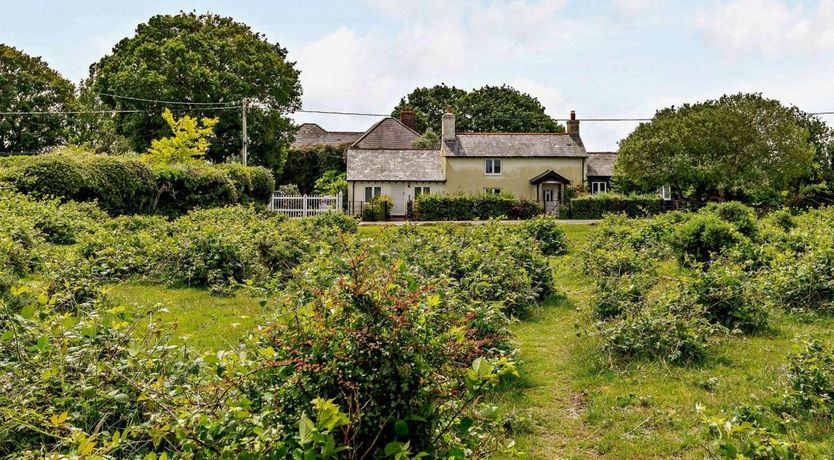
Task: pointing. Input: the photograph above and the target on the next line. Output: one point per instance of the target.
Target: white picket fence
(305, 205)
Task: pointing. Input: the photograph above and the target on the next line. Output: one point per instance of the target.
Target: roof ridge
(509, 133)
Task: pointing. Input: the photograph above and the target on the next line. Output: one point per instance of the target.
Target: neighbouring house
(309, 134)
(535, 166)
(599, 172)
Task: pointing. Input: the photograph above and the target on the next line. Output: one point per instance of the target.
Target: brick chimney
(408, 117)
(573, 124)
(448, 126)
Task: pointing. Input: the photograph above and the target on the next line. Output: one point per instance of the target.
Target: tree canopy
(27, 84)
(202, 59)
(487, 109)
(189, 142)
(742, 146)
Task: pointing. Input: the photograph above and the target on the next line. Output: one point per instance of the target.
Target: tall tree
(742, 146)
(202, 59)
(430, 104)
(488, 109)
(27, 84)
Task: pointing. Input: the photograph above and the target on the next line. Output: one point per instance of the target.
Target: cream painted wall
(400, 192)
(466, 175)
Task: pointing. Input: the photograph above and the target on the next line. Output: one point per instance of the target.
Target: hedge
(597, 205)
(472, 207)
(126, 185)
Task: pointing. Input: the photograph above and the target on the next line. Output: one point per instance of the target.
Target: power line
(101, 112)
(157, 101)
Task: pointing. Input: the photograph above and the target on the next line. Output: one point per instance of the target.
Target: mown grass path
(574, 404)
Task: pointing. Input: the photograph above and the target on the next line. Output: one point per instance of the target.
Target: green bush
(597, 205)
(473, 207)
(740, 439)
(741, 216)
(657, 332)
(546, 231)
(811, 379)
(617, 296)
(378, 209)
(726, 296)
(126, 185)
(702, 237)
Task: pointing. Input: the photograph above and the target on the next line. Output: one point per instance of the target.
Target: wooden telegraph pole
(244, 136)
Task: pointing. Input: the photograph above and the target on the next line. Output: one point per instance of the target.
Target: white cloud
(437, 40)
(635, 6)
(770, 26)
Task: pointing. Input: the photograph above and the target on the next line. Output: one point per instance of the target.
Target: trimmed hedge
(126, 185)
(597, 205)
(473, 207)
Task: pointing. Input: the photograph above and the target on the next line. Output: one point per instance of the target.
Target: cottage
(310, 134)
(600, 170)
(536, 166)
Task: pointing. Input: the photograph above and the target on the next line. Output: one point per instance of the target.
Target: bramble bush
(548, 233)
(727, 297)
(741, 216)
(701, 237)
(810, 376)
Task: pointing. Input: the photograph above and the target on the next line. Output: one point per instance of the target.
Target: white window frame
(552, 194)
(373, 191)
(492, 190)
(491, 165)
(665, 192)
(599, 187)
(421, 190)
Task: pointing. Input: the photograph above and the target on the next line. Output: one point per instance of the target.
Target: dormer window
(492, 166)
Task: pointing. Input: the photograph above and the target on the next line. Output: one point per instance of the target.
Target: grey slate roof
(518, 145)
(388, 133)
(313, 134)
(601, 163)
(394, 165)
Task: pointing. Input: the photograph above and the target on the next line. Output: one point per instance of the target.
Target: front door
(551, 196)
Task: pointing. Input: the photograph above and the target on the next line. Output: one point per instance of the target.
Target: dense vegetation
(736, 275)
(127, 185)
(473, 207)
(84, 376)
(597, 205)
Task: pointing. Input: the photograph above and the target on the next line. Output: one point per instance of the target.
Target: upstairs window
(372, 192)
(492, 191)
(492, 166)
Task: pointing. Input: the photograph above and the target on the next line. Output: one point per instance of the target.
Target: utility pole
(244, 136)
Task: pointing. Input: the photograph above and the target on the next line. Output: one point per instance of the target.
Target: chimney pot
(573, 124)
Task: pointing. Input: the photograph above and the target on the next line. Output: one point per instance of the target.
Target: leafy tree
(96, 128)
(189, 142)
(332, 182)
(306, 164)
(488, 109)
(503, 109)
(429, 140)
(742, 146)
(202, 59)
(27, 84)
(430, 104)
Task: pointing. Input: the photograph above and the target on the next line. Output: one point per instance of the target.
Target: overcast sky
(606, 58)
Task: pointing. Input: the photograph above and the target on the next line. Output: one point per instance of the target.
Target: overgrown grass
(577, 405)
(204, 322)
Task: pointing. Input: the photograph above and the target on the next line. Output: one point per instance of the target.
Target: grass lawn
(204, 322)
(580, 406)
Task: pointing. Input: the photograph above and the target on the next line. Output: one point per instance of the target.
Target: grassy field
(571, 401)
(580, 406)
(203, 321)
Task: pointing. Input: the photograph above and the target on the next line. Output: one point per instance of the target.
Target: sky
(602, 58)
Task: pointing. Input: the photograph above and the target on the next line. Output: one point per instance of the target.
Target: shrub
(701, 237)
(472, 207)
(724, 293)
(597, 205)
(804, 281)
(741, 216)
(548, 233)
(126, 185)
(618, 296)
(378, 209)
(658, 332)
(811, 379)
(740, 439)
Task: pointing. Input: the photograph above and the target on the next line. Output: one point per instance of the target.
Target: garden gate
(305, 205)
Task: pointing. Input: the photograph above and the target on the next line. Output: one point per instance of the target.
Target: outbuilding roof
(517, 145)
(313, 134)
(388, 133)
(394, 165)
(601, 163)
